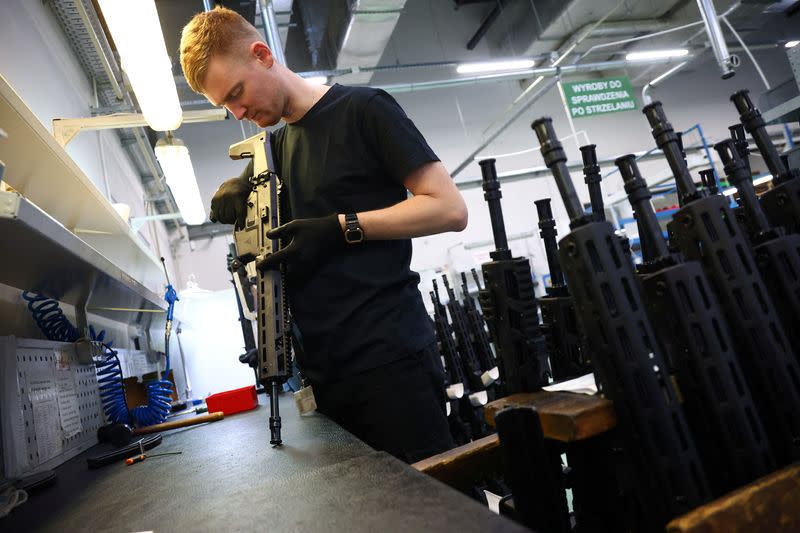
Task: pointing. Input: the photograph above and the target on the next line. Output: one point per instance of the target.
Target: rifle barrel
(639, 197)
(492, 195)
(556, 159)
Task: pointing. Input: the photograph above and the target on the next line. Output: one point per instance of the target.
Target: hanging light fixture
(136, 31)
(173, 156)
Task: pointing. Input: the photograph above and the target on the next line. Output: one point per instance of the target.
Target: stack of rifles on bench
(697, 347)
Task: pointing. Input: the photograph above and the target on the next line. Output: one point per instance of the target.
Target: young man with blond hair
(348, 156)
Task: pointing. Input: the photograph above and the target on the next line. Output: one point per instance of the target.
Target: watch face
(354, 235)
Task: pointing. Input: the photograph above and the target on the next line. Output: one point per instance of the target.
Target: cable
(109, 379)
(49, 317)
(11, 498)
(56, 327)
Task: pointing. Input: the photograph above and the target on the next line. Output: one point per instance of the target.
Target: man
(348, 156)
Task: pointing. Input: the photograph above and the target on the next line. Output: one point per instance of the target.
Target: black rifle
(244, 300)
(782, 202)
(252, 244)
(740, 141)
(461, 329)
(532, 466)
(480, 338)
(629, 367)
(777, 254)
(466, 405)
(592, 178)
(568, 353)
(509, 304)
(700, 351)
(709, 180)
(705, 230)
(459, 430)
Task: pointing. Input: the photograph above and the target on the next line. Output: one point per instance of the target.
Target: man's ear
(262, 53)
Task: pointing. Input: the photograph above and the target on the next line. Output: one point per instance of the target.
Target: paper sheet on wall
(47, 426)
(68, 403)
(139, 365)
(21, 451)
(44, 400)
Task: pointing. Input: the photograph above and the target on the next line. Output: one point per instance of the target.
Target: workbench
(229, 478)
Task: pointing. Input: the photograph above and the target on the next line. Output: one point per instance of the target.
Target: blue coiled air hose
(56, 327)
(109, 379)
(159, 392)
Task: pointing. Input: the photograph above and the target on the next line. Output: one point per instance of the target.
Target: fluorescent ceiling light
(656, 54)
(493, 66)
(791, 44)
(319, 80)
(136, 31)
(173, 156)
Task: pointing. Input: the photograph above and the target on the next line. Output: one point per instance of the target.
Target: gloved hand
(229, 203)
(311, 241)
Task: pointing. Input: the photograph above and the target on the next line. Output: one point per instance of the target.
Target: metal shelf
(39, 168)
(41, 254)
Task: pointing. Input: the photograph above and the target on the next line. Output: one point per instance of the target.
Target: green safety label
(597, 97)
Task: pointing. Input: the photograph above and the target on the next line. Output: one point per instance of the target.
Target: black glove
(229, 203)
(311, 241)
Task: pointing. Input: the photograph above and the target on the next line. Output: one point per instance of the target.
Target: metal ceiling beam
(546, 72)
(485, 25)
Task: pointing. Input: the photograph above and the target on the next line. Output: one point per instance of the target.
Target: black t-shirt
(350, 153)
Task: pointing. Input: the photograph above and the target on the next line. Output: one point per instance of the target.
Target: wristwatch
(353, 233)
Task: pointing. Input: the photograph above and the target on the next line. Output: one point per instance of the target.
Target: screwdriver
(141, 457)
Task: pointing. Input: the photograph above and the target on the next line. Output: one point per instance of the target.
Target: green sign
(598, 97)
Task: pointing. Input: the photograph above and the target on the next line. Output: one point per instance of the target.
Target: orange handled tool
(211, 417)
(141, 457)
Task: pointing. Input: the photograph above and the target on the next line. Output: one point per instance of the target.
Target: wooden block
(565, 416)
(771, 503)
(461, 466)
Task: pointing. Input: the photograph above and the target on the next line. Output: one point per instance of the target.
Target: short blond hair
(209, 34)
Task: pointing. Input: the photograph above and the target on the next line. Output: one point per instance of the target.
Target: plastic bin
(233, 401)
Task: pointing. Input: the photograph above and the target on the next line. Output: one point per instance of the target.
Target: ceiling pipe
(271, 30)
(546, 72)
(725, 60)
(646, 100)
(485, 25)
(747, 51)
(691, 38)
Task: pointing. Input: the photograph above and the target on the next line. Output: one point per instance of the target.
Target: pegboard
(50, 409)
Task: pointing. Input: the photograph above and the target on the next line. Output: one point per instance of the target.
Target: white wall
(212, 340)
(37, 60)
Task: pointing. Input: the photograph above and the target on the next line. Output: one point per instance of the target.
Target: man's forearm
(416, 216)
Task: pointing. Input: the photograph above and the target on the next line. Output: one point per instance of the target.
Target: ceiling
(403, 41)
(388, 42)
